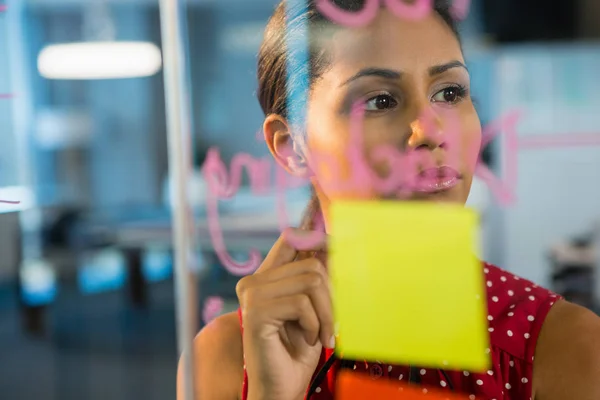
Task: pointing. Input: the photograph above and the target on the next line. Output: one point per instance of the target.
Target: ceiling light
(99, 60)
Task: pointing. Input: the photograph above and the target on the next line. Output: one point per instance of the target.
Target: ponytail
(312, 213)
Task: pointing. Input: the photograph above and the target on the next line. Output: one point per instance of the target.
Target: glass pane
(89, 202)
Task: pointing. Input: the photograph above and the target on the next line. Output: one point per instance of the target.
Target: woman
(543, 348)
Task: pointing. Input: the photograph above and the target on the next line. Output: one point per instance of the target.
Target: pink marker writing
(213, 306)
(347, 18)
(401, 165)
(401, 179)
(417, 10)
(503, 189)
(219, 186)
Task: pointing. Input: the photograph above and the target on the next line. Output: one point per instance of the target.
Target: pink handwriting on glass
(401, 180)
(418, 10)
(213, 306)
(259, 171)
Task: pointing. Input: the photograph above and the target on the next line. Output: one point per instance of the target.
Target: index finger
(284, 252)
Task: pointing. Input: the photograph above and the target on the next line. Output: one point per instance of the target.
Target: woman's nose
(426, 133)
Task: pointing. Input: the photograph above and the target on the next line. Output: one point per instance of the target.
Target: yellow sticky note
(407, 286)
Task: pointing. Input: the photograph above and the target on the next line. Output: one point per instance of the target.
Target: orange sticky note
(354, 386)
(407, 285)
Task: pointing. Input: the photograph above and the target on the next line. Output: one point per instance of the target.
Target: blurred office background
(86, 291)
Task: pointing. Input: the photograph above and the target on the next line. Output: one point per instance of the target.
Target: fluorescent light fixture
(99, 60)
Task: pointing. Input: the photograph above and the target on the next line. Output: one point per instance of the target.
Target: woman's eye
(381, 102)
(450, 95)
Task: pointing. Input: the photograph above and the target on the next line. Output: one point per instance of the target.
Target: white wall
(558, 190)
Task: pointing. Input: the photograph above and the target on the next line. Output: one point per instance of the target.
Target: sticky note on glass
(408, 288)
(352, 386)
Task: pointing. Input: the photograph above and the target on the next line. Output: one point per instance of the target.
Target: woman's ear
(286, 151)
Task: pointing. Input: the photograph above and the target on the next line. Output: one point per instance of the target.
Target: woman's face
(401, 70)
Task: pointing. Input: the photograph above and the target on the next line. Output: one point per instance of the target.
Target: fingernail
(332, 342)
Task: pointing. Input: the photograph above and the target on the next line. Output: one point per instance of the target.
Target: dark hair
(282, 71)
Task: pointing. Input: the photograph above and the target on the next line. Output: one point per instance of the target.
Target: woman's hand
(287, 319)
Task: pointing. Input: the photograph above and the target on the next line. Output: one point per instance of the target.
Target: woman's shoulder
(517, 309)
(223, 332)
(221, 340)
(218, 359)
(567, 359)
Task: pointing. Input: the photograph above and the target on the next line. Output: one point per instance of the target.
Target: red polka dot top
(516, 311)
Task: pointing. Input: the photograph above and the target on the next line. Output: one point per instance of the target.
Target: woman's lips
(436, 180)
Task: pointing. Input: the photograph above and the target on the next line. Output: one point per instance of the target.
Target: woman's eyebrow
(378, 72)
(394, 75)
(440, 69)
